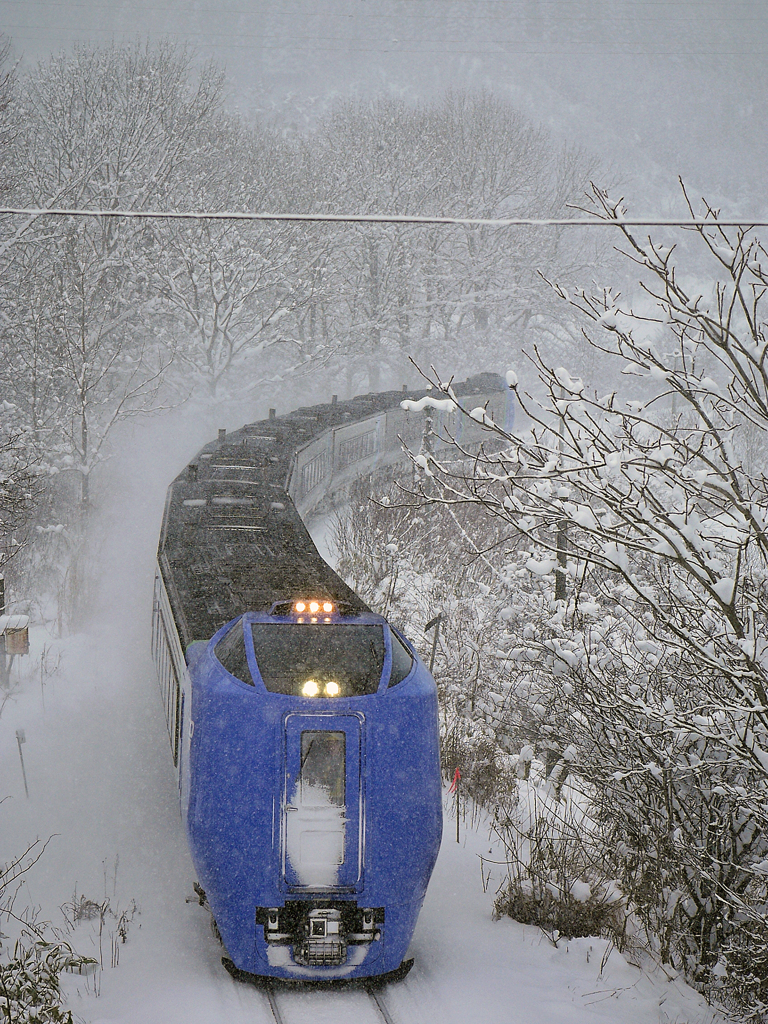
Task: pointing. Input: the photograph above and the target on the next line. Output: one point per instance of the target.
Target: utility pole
(561, 538)
(4, 670)
(436, 624)
(426, 450)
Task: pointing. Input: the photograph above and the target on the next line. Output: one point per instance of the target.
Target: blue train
(303, 727)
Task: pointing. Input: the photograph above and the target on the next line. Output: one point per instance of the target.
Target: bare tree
(232, 288)
(9, 123)
(109, 128)
(427, 289)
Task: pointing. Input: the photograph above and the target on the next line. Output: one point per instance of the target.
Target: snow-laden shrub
(30, 991)
(34, 956)
(409, 566)
(740, 976)
(642, 501)
(556, 870)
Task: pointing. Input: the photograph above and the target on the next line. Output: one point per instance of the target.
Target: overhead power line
(384, 218)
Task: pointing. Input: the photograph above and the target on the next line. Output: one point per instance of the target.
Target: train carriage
(303, 727)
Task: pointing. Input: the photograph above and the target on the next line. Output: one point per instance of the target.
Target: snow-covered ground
(101, 786)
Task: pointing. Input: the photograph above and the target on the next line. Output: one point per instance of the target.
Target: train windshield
(319, 660)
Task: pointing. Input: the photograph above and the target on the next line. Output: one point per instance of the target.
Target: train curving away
(303, 727)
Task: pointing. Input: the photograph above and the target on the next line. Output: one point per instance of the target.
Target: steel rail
(375, 994)
(372, 990)
(270, 993)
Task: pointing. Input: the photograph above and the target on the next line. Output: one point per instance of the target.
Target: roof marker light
(331, 689)
(310, 688)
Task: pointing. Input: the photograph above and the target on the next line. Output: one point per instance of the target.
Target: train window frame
(396, 638)
(231, 638)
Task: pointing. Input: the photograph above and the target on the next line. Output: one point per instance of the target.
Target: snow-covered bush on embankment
(644, 511)
(555, 867)
(30, 991)
(33, 957)
(495, 692)
(410, 565)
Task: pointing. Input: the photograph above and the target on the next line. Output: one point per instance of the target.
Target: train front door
(323, 802)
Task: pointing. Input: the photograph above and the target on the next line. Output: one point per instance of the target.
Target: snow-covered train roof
(232, 539)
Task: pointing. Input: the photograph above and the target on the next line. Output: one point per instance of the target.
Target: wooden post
(22, 738)
(458, 809)
(561, 591)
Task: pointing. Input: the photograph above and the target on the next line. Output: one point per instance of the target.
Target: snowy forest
(105, 319)
(601, 572)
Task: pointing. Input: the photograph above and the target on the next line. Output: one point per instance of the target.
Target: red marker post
(455, 789)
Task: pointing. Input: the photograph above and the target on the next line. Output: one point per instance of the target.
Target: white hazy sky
(658, 87)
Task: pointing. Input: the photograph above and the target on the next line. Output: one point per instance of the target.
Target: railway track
(285, 1006)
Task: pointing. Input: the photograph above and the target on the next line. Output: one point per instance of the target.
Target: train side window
(169, 682)
(402, 661)
(230, 651)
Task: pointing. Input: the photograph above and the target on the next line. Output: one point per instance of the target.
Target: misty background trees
(107, 318)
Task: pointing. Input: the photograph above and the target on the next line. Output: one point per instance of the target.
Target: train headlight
(314, 607)
(327, 606)
(310, 688)
(332, 689)
(300, 606)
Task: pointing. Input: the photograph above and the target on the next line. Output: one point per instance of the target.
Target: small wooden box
(17, 641)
